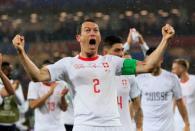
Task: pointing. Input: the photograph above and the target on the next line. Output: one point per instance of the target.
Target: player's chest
(86, 70)
(156, 84)
(55, 96)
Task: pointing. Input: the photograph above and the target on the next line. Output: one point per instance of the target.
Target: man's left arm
(152, 60)
(131, 66)
(183, 111)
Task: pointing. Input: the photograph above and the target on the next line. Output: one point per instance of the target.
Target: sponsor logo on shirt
(124, 83)
(156, 96)
(104, 65)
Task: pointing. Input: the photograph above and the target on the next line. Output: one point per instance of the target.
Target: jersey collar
(88, 59)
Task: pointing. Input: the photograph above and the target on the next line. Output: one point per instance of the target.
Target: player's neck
(157, 71)
(184, 77)
(87, 55)
(48, 83)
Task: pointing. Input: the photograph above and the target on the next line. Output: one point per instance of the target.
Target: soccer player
(91, 75)
(136, 39)
(8, 89)
(48, 100)
(9, 112)
(158, 90)
(187, 81)
(126, 86)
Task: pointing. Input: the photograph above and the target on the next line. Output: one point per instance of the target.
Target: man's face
(117, 50)
(177, 69)
(89, 38)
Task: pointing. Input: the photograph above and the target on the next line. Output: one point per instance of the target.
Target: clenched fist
(168, 31)
(18, 42)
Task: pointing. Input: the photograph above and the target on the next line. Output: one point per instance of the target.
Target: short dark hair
(150, 51)
(80, 25)
(182, 62)
(109, 41)
(46, 62)
(5, 64)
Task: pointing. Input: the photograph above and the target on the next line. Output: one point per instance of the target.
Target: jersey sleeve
(177, 93)
(33, 91)
(134, 90)
(58, 70)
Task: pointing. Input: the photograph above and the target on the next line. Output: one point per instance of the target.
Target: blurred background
(49, 27)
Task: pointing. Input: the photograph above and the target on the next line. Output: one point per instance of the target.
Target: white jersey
(188, 92)
(48, 116)
(95, 102)
(157, 94)
(68, 115)
(126, 89)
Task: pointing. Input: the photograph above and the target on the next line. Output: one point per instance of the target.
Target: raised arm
(128, 42)
(7, 85)
(32, 70)
(152, 60)
(143, 44)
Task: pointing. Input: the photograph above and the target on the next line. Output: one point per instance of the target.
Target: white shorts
(97, 128)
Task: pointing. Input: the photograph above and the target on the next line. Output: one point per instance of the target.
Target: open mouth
(92, 42)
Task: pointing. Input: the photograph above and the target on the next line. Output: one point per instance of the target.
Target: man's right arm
(32, 70)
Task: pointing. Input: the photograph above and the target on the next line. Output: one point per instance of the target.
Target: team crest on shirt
(124, 82)
(106, 66)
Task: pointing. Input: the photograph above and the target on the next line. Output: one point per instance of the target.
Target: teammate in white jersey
(126, 85)
(187, 81)
(158, 90)
(90, 76)
(48, 100)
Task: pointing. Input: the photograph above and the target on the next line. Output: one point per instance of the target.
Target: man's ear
(78, 38)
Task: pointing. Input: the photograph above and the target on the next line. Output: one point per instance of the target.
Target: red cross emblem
(124, 82)
(106, 66)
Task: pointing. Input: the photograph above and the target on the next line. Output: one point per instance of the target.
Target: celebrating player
(91, 76)
(158, 90)
(187, 81)
(126, 86)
